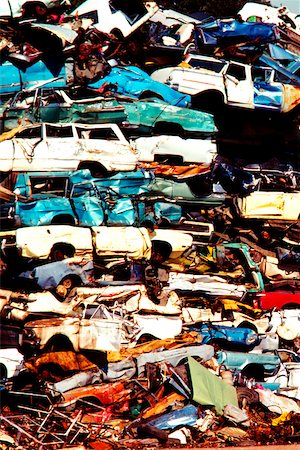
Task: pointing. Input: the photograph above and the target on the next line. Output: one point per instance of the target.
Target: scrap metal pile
(150, 226)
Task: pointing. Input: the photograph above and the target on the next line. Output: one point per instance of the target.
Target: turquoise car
(78, 199)
(253, 365)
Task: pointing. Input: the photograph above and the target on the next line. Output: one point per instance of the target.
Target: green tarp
(208, 389)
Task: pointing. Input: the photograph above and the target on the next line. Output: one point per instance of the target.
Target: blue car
(225, 336)
(135, 82)
(228, 32)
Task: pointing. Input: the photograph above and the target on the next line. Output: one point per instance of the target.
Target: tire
(146, 338)
(118, 35)
(66, 285)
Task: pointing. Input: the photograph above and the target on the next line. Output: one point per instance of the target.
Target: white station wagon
(45, 146)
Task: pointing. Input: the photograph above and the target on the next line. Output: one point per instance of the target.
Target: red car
(284, 296)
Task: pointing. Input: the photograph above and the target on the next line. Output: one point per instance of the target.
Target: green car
(137, 116)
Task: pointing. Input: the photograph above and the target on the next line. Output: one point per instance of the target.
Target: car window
(215, 66)
(260, 75)
(51, 185)
(10, 337)
(236, 71)
(53, 131)
(132, 9)
(51, 98)
(30, 133)
(281, 78)
(93, 311)
(97, 133)
(23, 100)
(83, 189)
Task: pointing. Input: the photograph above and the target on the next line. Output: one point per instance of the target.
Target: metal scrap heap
(149, 226)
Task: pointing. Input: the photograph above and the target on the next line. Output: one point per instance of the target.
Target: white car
(108, 243)
(11, 362)
(174, 149)
(61, 147)
(118, 18)
(213, 83)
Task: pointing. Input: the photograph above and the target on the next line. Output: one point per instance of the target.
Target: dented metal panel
(270, 205)
(291, 97)
(129, 241)
(37, 242)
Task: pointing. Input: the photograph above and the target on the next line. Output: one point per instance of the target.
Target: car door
(52, 108)
(98, 333)
(62, 148)
(239, 85)
(23, 150)
(87, 206)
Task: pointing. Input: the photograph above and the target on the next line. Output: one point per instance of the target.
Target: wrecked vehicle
(11, 362)
(175, 150)
(256, 365)
(285, 295)
(231, 83)
(281, 16)
(114, 17)
(176, 356)
(227, 317)
(225, 336)
(58, 105)
(39, 147)
(14, 340)
(135, 116)
(231, 261)
(156, 116)
(224, 34)
(77, 199)
(133, 81)
(107, 243)
(97, 329)
(269, 205)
